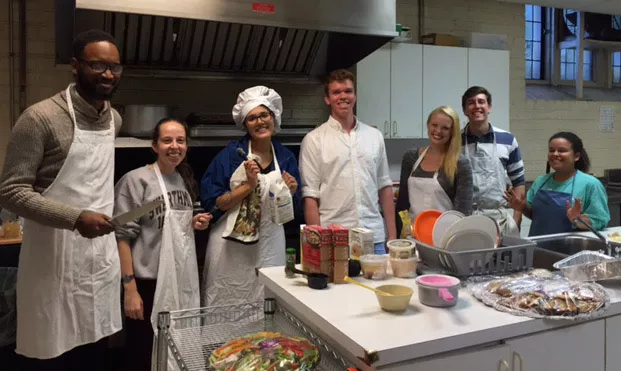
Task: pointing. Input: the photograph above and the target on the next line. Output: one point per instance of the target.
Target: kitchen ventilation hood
(232, 38)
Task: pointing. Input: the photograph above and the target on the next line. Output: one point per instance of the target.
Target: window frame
(612, 66)
(544, 55)
(602, 60)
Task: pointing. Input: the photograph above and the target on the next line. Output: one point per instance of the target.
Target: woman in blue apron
(555, 200)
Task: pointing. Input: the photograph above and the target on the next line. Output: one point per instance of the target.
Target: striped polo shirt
(507, 150)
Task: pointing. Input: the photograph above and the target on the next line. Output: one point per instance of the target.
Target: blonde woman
(436, 176)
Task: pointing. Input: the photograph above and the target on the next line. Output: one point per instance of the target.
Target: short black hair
(473, 91)
(90, 36)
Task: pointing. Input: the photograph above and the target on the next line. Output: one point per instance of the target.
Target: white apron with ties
(230, 275)
(68, 286)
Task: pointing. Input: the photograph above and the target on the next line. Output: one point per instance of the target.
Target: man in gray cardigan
(59, 176)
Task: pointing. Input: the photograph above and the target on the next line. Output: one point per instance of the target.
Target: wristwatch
(127, 278)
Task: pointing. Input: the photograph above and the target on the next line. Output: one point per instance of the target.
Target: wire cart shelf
(190, 336)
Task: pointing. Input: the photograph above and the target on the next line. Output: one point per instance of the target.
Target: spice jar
(290, 263)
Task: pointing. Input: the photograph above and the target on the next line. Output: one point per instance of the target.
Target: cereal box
(317, 248)
(340, 241)
(340, 270)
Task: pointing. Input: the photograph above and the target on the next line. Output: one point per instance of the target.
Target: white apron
(177, 272)
(229, 275)
(68, 286)
(489, 187)
(426, 193)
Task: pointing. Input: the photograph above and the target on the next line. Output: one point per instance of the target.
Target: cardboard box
(317, 248)
(340, 242)
(360, 242)
(341, 252)
(440, 39)
(327, 267)
(487, 41)
(340, 235)
(341, 269)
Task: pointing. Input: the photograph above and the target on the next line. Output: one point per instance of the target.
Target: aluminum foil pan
(588, 266)
(543, 297)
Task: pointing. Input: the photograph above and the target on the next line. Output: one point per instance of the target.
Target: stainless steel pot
(139, 120)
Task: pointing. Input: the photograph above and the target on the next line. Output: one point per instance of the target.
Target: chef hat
(253, 97)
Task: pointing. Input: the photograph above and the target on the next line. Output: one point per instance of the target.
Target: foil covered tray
(543, 296)
(589, 266)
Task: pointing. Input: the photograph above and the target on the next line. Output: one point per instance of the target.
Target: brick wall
(531, 121)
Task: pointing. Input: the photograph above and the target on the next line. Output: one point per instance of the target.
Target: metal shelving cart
(192, 335)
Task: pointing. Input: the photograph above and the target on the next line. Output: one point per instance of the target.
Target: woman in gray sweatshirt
(162, 238)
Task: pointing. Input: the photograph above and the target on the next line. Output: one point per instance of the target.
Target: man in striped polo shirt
(495, 159)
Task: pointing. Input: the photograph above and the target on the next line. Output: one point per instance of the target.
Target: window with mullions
(616, 56)
(616, 68)
(569, 57)
(568, 65)
(534, 35)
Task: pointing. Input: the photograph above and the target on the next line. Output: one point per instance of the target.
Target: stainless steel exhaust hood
(278, 38)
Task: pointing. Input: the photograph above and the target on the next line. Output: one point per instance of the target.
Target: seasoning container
(290, 263)
(401, 249)
(374, 266)
(403, 268)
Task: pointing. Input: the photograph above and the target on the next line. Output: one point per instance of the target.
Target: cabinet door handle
(503, 365)
(394, 129)
(386, 128)
(519, 357)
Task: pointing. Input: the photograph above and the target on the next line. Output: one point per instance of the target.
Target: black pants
(139, 333)
(85, 357)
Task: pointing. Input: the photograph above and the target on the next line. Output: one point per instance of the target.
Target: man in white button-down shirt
(344, 168)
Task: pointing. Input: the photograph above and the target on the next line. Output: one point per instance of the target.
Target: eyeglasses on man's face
(101, 67)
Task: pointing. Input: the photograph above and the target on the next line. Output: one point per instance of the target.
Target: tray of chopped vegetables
(258, 336)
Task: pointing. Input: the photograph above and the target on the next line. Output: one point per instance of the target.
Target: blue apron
(550, 211)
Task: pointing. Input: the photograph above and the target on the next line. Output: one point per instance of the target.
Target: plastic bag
(281, 203)
(543, 296)
(266, 351)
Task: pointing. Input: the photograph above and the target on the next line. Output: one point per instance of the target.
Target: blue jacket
(217, 177)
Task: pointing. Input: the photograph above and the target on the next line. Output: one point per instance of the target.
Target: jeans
(380, 248)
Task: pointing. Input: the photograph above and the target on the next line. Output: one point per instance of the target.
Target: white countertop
(350, 317)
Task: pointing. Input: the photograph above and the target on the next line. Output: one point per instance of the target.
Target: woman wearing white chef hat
(251, 187)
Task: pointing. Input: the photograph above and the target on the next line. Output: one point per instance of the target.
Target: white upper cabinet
(399, 84)
(389, 89)
(445, 77)
(373, 90)
(490, 69)
(406, 91)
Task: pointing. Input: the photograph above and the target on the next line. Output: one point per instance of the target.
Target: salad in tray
(269, 351)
